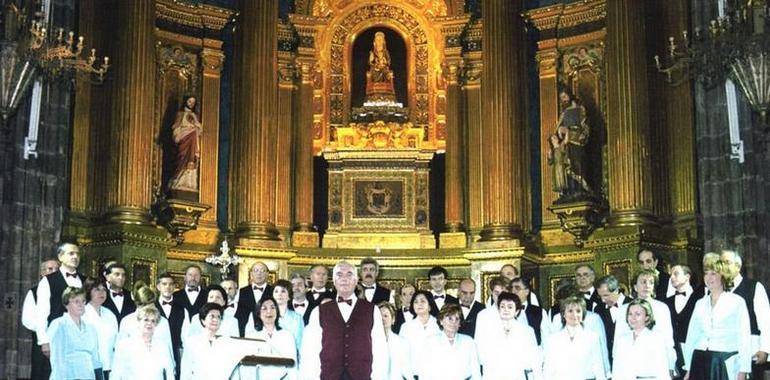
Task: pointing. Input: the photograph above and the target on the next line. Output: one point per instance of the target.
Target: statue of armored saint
(567, 153)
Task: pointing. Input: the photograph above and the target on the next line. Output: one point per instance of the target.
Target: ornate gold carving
(212, 60)
(179, 216)
(196, 15)
(379, 135)
(145, 270)
(578, 218)
(566, 16)
(175, 57)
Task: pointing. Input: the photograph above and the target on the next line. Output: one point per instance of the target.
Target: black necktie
(340, 300)
(680, 293)
(73, 275)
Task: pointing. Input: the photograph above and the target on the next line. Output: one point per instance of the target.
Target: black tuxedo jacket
(128, 305)
(681, 321)
(468, 325)
(381, 294)
(609, 326)
(450, 299)
(180, 299)
(662, 287)
(593, 301)
(247, 304)
(313, 303)
(175, 321)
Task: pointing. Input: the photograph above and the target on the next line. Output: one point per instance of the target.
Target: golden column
(503, 127)
(129, 187)
(284, 166)
(254, 130)
(212, 58)
(628, 136)
(474, 135)
(549, 114)
(454, 205)
(305, 234)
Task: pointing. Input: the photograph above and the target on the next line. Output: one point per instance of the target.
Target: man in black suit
(584, 280)
(532, 315)
(118, 301)
(174, 313)
(50, 290)
(405, 300)
(608, 289)
(682, 304)
(647, 259)
(256, 291)
(373, 292)
(192, 297)
(299, 302)
(469, 306)
(437, 277)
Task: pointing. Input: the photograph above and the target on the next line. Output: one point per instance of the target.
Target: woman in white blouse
(640, 353)
(129, 325)
(279, 341)
(449, 355)
(207, 355)
(228, 325)
(289, 319)
(399, 366)
(103, 320)
(510, 336)
(74, 346)
(422, 326)
(718, 344)
(140, 356)
(573, 353)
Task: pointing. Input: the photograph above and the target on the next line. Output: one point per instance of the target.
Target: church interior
(466, 134)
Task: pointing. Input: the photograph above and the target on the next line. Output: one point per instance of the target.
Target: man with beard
(373, 292)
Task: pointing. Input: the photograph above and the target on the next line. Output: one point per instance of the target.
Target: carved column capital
(213, 61)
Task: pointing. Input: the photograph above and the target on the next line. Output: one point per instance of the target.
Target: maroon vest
(346, 346)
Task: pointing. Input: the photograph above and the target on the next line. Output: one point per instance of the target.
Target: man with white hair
(344, 339)
(755, 295)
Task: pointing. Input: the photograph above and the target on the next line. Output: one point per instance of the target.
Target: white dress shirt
(615, 309)
(495, 348)
(134, 360)
(545, 324)
(167, 307)
(662, 315)
(446, 360)
(310, 366)
(680, 301)
(578, 358)
(44, 303)
(228, 326)
(400, 366)
(723, 327)
(207, 360)
(440, 300)
(117, 300)
(415, 333)
(106, 325)
(317, 292)
(282, 344)
(192, 295)
(762, 312)
(300, 306)
(640, 357)
(29, 311)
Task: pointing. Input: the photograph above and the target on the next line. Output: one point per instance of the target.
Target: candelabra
(27, 50)
(734, 45)
(224, 259)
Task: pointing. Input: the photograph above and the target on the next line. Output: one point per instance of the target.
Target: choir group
(664, 326)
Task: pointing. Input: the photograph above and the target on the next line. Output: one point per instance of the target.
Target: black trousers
(41, 366)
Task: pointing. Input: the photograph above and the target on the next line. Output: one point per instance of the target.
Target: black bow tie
(406, 309)
(341, 300)
(296, 305)
(318, 291)
(73, 275)
(435, 297)
(680, 293)
(369, 287)
(117, 294)
(164, 303)
(192, 289)
(260, 288)
(465, 306)
(230, 305)
(587, 294)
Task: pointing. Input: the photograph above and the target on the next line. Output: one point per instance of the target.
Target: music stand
(257, 361)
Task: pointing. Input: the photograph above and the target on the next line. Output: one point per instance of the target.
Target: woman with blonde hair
(718, 344)
(573, 343)
(141, 356)
(640, 353)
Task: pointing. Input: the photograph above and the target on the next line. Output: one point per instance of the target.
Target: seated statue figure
(379, 78)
